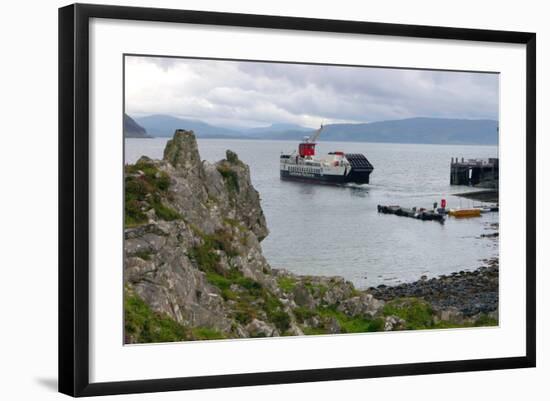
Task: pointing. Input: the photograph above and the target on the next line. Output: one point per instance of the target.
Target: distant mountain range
(164, 125)
(410, 130)
(133, 129)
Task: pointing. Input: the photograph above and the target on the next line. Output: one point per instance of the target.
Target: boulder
(259, 328)
(303, 297)
(392, 323)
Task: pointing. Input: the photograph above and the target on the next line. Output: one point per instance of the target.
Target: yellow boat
(465, 212)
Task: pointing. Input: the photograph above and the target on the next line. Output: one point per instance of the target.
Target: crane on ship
(306, 149)
(313, 138)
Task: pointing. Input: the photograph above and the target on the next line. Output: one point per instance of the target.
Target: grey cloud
(241, 93)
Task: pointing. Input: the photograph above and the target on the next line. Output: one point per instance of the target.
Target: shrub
(206, 258)
(143, 254)
(245, 312)
(376, 325)
(230, 178)
(232, 157)
(144, 187)
(133, 215)
(275, 312)
(222, 240)
(281, 320)
(302, 314)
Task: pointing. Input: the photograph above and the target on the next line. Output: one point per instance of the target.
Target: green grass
(376, 325)
(142, 325)
(245, 311)
(312, 331)
(481, 321)
(164, 212)
(317, 290)
(206, 258)
(417, 313)
(485, 320)
(302, 314)
(275, 312)
(348, 324)
(251, 299)
(205, 333)
(287, 284)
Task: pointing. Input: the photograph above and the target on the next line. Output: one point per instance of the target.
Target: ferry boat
(334, 168)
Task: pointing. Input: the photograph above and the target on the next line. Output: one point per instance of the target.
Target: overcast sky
(250, 94)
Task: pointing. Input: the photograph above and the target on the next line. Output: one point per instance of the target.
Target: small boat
(417, 213)
(474, 212)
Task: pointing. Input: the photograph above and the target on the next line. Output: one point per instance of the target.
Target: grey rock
(392, 323)
(362, 305)
(295, 330)
(332, 326)
(259, 328)
(218, 200)
(302, 297)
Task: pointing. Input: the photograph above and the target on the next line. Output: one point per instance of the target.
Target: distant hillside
(410, 130)
(164, 126)
(417, 130)
(133, 129)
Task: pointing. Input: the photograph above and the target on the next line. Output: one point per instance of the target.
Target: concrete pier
(475, 172)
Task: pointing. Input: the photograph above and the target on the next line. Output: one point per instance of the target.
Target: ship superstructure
(334, 168)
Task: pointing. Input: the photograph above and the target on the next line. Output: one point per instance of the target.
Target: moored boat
(471, 212)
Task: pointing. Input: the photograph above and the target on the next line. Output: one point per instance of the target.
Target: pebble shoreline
(470, 292)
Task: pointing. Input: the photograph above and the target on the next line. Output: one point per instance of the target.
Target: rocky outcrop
(194, 267)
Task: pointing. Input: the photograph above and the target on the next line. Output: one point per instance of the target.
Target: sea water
(336, 230)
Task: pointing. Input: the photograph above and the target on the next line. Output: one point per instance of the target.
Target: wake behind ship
(334, 168)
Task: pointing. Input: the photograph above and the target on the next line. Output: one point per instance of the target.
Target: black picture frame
(74, 198)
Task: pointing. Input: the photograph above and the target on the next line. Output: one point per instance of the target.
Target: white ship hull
(351, 168)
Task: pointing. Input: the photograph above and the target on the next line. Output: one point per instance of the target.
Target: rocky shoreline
(464, 293)
(487, 195)
(194, 268)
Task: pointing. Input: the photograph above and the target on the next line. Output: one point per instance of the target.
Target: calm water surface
(327, 230)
